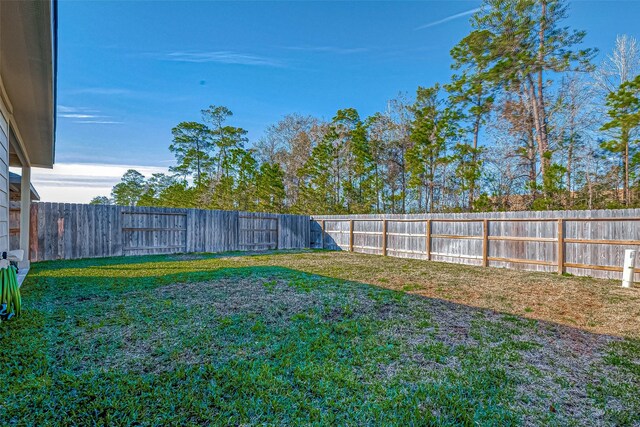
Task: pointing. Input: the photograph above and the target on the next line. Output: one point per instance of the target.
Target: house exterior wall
(4, 180)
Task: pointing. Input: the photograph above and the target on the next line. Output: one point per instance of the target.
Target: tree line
(527, 121)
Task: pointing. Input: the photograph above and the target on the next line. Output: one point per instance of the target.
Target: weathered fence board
(584, 243)
(257, 231)
(149, 231)
(293, 231)
(71, 231)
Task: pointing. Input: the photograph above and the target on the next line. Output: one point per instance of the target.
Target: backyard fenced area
(583, 243)
(317, 338)
(313, 337)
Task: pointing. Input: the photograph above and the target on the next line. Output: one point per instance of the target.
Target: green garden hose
(10, 299)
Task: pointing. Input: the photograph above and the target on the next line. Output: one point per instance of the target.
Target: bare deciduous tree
(622, 65)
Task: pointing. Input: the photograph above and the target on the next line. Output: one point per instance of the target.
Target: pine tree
(433, 128)
(130, 189)
(246, 174)
(353, 145)
(155, 186)
(180, 195)
(192, 147)
(224, 138)
(319, 182)
(527, 46)
(473, 92)
(270, 188)
(624, 114)
(100, 200)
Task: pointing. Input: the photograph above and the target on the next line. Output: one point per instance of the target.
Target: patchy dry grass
(303, 338)
(599, 306)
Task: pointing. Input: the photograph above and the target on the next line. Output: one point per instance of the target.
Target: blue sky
(129, 71)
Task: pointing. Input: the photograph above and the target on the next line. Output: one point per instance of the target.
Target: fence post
(384, 237)
(485, 242)
(428, 240)
(350, 235)
(33, 233)
(322, 234)
(560, 246)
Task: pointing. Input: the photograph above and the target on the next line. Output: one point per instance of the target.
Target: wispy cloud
(61, 180)
(67, 109)
(329, 49)
(222, 57)
(78, 116)
(84, 115)
(447, 19)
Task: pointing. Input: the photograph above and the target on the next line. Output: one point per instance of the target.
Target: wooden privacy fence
(591, 245)
(71, 231)
(586, 243)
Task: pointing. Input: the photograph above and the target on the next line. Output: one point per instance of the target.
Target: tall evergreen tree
(473, 92)
(270, 188)
(319, 183)
(624, 114)
(155, 186)
(246, 175)
(433, 128)
(192, 147)
(100, 200)
(130, 189)
(527, 45)
(224, 138)
(357, 161)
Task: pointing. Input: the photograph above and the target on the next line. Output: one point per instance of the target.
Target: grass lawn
(321, 338)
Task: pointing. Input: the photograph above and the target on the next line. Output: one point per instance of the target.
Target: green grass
(233, 340)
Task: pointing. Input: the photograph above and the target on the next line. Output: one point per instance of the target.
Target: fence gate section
(258, 232)
(146, 233)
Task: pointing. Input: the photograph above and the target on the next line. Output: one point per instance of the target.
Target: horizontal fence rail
(589, 243)
(71, 231)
